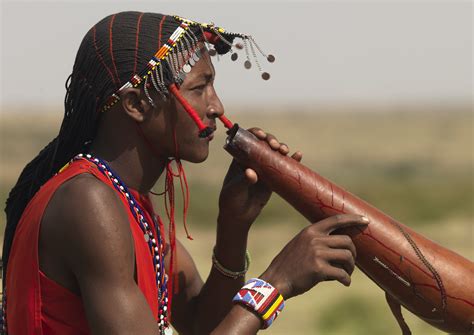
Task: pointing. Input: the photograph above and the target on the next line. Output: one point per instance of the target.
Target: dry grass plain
(416, 165)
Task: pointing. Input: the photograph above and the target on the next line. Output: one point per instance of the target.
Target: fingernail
(274, 142)
(365, 219)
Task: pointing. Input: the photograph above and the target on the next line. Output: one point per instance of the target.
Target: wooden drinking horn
(432, 282)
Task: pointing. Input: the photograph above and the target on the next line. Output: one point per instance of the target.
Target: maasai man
(84, 251)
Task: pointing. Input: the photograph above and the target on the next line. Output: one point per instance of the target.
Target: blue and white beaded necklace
(154, 241)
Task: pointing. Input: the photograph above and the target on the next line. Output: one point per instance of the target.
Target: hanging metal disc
(247, 64)
(234, 56)
(265, 76)
(271, 58)
(187, 68)
(239, 46)
(212, 52)
(196, 57)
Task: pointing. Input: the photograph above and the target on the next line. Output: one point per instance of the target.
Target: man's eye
(200, 87)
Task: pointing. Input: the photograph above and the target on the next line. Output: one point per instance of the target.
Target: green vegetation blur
(414, 164)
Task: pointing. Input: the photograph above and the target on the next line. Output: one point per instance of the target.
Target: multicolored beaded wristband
(229, 273)
(262, 298)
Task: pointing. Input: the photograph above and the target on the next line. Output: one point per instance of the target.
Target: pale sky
(342, 52)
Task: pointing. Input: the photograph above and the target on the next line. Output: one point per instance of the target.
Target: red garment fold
(38, 305)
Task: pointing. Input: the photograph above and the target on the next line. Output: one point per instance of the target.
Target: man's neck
(137, 167)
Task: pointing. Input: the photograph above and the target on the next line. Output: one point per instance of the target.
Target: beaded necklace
(3, 310)
(154, 241)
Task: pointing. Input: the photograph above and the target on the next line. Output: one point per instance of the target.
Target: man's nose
(215, 108)
(213, 112)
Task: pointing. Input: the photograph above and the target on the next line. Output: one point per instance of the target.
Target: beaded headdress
(180, 53)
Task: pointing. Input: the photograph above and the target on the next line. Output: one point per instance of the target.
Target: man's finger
(332, 223)
(273, 142)
(261, 135)
(336, 273)
(342, 242)
(297, 156)
(251, 176)
(284, 150)
(341, 258)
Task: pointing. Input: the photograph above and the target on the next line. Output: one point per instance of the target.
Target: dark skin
(87, 247)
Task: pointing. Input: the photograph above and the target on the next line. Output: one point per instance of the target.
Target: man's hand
(243, 196)
(315, 255)
(312, 256)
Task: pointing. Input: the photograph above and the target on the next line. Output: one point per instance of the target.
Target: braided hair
(111, 52)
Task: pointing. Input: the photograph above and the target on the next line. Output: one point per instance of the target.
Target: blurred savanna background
(377, 96)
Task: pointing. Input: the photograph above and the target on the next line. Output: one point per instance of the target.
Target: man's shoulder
(81, 194)
(83, 186)
(86, 216)
(84, 205)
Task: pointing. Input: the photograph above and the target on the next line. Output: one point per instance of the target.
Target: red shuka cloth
(37, 304)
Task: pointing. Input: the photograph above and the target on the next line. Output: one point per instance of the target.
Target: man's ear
(135, 104)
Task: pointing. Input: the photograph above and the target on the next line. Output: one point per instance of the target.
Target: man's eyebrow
(208, 77)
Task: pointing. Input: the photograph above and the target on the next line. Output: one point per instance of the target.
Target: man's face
(171, 118)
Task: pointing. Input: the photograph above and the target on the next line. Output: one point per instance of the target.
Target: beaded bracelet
(229, 273)
(262, 298)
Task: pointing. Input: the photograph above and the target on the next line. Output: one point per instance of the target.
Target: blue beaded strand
(137, 212)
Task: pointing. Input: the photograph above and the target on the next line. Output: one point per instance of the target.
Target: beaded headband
(185, 43)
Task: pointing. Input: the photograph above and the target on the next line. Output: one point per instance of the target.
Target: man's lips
(211, 136)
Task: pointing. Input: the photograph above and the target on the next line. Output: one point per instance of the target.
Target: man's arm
(312, 256)
(89, 230)
(198, 308)
(240, 202)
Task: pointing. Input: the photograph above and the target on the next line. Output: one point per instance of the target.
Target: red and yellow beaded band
(262, 298)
